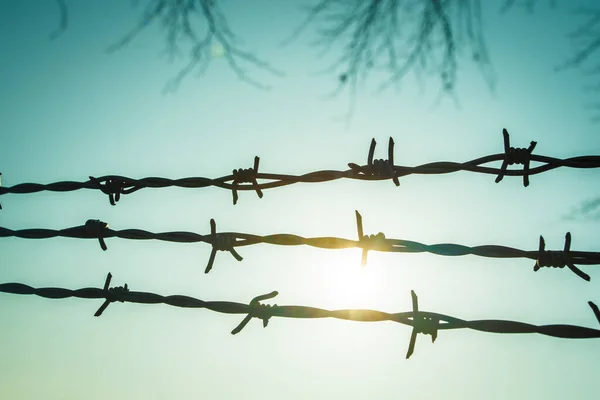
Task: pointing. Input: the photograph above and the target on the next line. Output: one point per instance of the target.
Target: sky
(69, 110)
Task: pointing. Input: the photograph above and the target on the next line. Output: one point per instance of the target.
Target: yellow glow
(217, 51)
(347, 283)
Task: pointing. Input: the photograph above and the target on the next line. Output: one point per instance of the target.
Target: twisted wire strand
(423, 322)
(375, 170)
(228, 241)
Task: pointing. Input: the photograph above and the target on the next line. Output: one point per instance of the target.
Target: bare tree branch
(398, 37)
(179, 19)
(586, 39)
(528, 5)
(587, 210)
(586, 44)
(63, 19)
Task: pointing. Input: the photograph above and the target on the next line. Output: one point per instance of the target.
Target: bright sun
(346, 283)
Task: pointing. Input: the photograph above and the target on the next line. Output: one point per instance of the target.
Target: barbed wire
(424, 322)
(375, 170)
(228, 241)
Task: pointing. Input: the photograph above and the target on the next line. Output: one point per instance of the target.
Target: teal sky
(69, 110)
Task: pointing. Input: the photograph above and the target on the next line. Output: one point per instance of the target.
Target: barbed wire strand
(375, 170)
(427, 323)
(228, 241)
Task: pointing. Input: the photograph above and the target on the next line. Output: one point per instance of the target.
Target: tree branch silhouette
(528, 5)
(397, 37)
(586, 210)
(180, 21)
(391, 37)
(585, 40)
(63, 19)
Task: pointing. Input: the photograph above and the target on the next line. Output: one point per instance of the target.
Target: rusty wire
(424, 322)
(375, 170)
(228, 241)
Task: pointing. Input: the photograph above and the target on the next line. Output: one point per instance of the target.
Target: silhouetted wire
(424, 322)
(228, 241)
(375, 170)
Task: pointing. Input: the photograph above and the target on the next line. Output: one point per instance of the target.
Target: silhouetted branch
(528, 5)
(589, 209)
(396, 37)
(181, 21)
(63, 19)
(585, 40)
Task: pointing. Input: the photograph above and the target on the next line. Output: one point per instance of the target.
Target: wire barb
(220, 241)
(112, 294)
(424, 324)
(257, 310)
(558, 259)
(380, 168)
(595, 309)
(95, 228)
(112, 187)
(515, 156)
(368, 242)
(246, 175)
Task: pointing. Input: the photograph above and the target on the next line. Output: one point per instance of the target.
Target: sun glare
(347, 284)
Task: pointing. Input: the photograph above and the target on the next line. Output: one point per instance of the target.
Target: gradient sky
(69, 110)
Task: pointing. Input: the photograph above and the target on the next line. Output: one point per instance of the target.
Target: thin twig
(180, 20)
(397, 37)
(63, 21)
